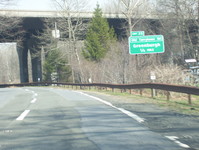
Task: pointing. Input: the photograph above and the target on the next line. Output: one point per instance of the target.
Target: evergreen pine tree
(98, 38)
(56, 64)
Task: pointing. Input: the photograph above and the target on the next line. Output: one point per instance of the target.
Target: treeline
(88, 50)
(101, 57)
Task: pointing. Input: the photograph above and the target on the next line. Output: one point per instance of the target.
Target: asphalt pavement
(58, 119)
(180, 128)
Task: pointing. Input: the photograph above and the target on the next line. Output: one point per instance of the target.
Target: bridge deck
(57, 14)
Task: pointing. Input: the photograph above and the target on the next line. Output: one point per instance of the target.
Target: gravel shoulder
(158, 119)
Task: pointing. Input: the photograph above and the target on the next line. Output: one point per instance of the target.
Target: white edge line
(174, 138)
(130, 114)
(134, 116)
(23, 115)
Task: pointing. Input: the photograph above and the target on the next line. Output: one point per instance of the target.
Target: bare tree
(112, 6)
(5, 2)
(10, 27)
(180, 26)
(9, 60)
(133, 11)
(70, 12)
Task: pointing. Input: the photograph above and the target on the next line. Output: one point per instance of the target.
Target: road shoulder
(158, 119)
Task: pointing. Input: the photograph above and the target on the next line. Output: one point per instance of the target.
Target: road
(57, 119)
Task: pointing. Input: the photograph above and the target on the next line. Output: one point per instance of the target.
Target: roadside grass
(178, 102)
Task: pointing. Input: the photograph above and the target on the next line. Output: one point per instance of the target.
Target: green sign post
(137, 33)
(146, 44)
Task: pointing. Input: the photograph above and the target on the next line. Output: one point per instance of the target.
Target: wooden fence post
(130, 91)
(168, 95)
(189, 98)
(141, 92)
(152, 93)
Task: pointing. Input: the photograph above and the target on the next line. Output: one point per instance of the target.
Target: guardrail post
(152, 93)
(168, 95)
(189, 98)
(112, 89)
(141, 92)
(130, 91)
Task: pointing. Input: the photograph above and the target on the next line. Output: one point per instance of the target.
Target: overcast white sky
(45, 4)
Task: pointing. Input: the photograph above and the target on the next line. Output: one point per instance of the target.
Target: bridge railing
(166, 87)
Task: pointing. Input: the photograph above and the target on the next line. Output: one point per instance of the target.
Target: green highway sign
(146, 44)
(137, 33)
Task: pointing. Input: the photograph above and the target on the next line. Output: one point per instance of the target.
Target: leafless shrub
(171, 74)
(119, 66)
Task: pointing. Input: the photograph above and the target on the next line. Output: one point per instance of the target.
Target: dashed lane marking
(27, 90)
(34, 100)
(23, 115)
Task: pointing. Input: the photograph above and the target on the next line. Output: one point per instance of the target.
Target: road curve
(57, 119)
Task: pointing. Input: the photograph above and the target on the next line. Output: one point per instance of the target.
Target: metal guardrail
(167, 87)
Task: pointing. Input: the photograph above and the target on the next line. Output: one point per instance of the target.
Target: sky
(44, 4)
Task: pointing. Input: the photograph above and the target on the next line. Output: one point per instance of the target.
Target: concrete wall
(9, 63)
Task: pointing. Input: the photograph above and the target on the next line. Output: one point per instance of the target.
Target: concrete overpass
(58, 14)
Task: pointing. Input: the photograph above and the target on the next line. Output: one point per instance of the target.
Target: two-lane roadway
(58, 119)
